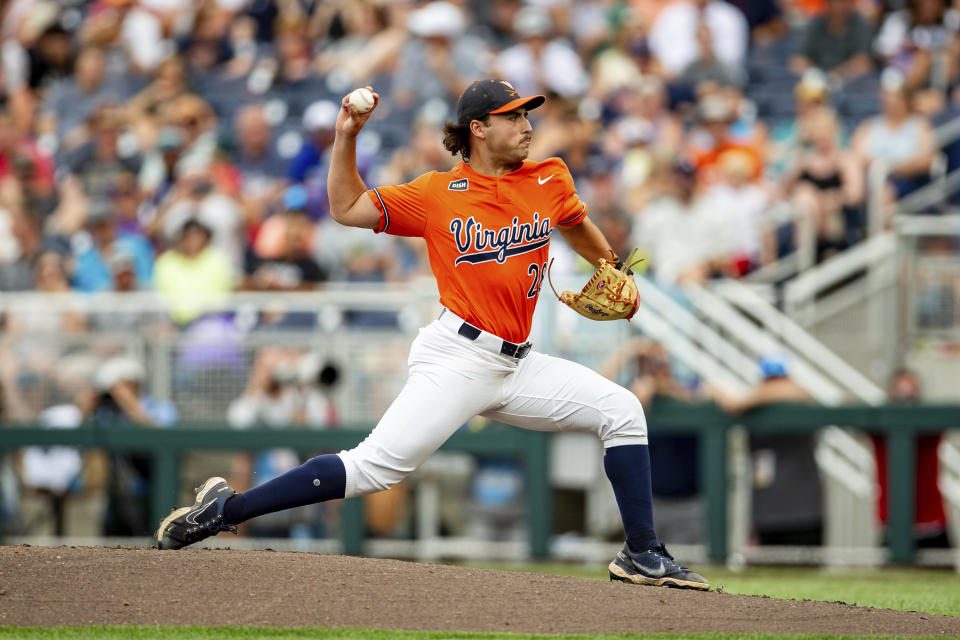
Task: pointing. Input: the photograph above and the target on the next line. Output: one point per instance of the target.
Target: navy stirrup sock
(317, 479)
(628, 468)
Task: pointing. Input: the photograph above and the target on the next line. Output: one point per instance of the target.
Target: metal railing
(805, 298)
(786, 329)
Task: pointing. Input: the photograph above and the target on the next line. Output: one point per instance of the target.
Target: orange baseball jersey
(487, 237)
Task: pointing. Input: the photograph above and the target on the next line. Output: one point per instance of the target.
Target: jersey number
(537, 271)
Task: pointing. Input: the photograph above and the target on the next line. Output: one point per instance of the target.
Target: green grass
(931, 591)
(928, 590)
(255, 633)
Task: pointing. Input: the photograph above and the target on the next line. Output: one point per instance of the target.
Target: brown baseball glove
(610, 294)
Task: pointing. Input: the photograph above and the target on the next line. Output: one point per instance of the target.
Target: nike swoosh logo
(545, 180)
(192, 517)
(656, 572)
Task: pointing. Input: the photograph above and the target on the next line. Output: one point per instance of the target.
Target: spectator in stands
(37, 53)
(262, 170)
(674, 40)
(787, 142)
(71, 104)
(766, 20)
(280, 257)
(741, 237)
(191, 115)
(787, 494)
(625, 60)
(244, 51)
(125, 202)
(103, 26)
(650, 371)
(632, 143)
(815, 185)
(707, 67)
(441, 59)
(62, 489)
(899, 137)
(37, 49)
(921, 40)
(197, 194)
(646, 99)
(423, 153)
(540, 63)
(373, 35)
(122, 398)
(143, 109)
(158, 173)
(25, 243)
(836, 42)
(282, 391)
(720, 130)
(672, 228)
(256, 156)
(309, 166)
(95, 167)
(930, 522)
(26, 171)
(193, 275)
(206, 47)
(92, 251)
(122, 403)
(147, 30)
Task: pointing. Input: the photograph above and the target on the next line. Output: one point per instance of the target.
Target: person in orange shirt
(487, 224)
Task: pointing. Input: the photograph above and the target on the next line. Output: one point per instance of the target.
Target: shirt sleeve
(573, 211)
(403, 210)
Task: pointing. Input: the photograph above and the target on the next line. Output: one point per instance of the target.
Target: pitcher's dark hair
(456, 137)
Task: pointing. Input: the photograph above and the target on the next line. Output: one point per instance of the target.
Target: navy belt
(484, 339)
(507, 348)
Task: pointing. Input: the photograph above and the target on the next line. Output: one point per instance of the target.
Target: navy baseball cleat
(187, 525)
(655, 567)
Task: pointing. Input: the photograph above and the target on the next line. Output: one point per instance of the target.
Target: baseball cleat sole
(618, 574)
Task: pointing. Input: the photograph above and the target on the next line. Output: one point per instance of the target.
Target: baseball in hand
(361, 99)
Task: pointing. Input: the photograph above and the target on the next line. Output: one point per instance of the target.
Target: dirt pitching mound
(71, 586)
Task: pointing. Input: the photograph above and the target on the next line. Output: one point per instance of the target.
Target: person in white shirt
(540, 63)
(673, 36)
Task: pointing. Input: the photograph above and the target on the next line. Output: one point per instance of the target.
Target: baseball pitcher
(487, 224)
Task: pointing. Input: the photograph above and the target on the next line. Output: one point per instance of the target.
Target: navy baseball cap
(492, 95)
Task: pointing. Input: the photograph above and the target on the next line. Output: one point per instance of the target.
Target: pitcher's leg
(433, 404)
(317, 480)
(552, 394)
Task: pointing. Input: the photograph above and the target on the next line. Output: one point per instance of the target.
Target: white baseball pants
(452, 379)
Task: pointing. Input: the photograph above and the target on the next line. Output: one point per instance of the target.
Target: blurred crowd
(181, 146)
